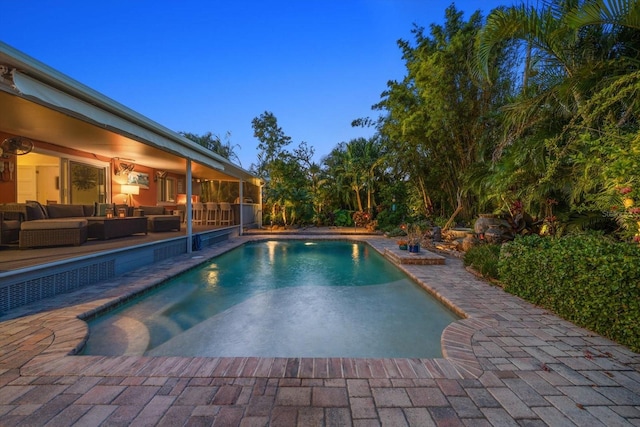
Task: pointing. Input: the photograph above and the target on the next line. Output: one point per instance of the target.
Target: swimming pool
(282, 298)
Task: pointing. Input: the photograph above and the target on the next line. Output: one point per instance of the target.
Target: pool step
(423, 257)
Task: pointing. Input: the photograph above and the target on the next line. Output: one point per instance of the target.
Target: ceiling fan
(17, 146)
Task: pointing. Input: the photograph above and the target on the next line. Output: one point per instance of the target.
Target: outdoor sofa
(52, 226)
(9, 227)
(160, 220)
(67, 224)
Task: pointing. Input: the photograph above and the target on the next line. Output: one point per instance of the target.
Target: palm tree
(362, 158)
(624, 13)
(580, 92)
(214, 143)
(551, 52)
(567, 58)
(337, 180)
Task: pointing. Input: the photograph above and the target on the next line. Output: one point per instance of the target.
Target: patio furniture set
(32, 224)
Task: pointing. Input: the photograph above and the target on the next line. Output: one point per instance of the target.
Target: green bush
(342, 218)
(388, 220)
(484, 259)
(396, 232)
(587, 279)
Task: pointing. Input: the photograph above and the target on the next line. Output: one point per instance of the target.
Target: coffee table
(101, 227)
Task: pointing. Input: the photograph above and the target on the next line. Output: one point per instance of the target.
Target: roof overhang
(40, 103)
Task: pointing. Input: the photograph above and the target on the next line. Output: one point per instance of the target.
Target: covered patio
(89, 149)
(13, 259)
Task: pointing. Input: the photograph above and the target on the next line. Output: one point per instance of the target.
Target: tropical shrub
(484, 259)
(587, 279)
(342, 218)
(361, 218)
(397, 232)
(388, 219)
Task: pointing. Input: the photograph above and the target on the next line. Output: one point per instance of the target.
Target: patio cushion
(153, 210)
(89, 210)
(65, 211)
(35, 210)
(51, 224)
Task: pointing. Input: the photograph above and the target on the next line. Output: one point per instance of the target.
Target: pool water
(280, 299)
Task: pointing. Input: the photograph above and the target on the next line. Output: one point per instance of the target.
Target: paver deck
(507, 363)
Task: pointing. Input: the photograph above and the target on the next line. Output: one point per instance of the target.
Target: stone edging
(70, 332)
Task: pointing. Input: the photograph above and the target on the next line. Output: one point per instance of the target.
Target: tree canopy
(214, 143)
(533, 106)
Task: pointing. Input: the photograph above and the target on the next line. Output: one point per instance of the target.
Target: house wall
(8, 190)
(148, 192)
(147, 197)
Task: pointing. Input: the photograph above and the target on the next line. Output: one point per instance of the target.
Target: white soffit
(35, 90)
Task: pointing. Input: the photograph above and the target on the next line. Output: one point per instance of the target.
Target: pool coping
(60, 332)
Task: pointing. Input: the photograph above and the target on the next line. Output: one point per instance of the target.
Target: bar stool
(226, 214)
(212, 213)
(197, 211)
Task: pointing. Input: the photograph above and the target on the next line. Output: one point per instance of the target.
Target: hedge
(587, 279)
(484, 259)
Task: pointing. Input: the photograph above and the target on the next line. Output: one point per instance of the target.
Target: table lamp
(130, 190)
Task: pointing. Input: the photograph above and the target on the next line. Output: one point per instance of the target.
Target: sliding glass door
(86, 183)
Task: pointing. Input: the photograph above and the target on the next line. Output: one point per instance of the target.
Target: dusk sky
(200, 66)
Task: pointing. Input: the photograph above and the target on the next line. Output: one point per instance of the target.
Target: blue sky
(200, 66)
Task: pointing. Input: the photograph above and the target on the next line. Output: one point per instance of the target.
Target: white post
(240, 208)
(188, 214)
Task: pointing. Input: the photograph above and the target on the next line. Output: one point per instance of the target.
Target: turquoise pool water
(280, 299)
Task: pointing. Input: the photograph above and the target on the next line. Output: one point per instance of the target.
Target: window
(167, 189)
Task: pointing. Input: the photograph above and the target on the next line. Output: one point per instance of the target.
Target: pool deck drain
(506, 363)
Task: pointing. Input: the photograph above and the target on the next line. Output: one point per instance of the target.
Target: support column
(241, 207)
(189, 213)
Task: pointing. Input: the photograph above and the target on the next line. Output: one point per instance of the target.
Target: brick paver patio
(507, 363)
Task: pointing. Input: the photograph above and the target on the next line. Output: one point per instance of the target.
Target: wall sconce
(130, 190)
(120, 168)
(159, 175)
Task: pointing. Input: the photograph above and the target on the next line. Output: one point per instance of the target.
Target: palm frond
(606, 12)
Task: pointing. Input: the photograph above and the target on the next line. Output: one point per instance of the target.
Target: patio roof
(43, 104)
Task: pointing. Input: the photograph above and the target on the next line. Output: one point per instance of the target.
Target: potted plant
(402, 244)
(414, 233)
